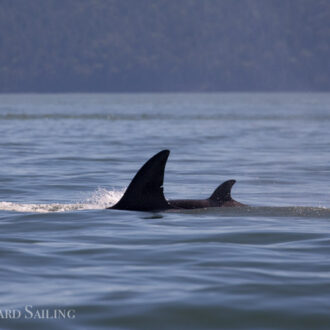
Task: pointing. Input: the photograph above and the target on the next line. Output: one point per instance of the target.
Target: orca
(145, 192)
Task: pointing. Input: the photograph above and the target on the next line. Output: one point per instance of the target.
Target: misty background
(164, 45)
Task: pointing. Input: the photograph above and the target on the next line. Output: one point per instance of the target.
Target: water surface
(65, 158)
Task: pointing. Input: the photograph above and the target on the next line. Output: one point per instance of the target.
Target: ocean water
(68, 263)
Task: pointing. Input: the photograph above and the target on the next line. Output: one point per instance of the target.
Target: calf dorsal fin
(223, 192)
(145, 192)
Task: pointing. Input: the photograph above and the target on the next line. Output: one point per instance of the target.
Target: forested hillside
(164, 45)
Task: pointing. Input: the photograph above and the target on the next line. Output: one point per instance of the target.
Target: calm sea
(68, 263)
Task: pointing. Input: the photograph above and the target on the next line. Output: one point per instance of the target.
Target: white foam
(100, 199)
(103, 198)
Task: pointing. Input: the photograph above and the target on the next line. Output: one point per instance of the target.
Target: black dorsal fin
(145, 192)
(222, 193)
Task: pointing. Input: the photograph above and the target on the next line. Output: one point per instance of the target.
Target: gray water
(65, 158)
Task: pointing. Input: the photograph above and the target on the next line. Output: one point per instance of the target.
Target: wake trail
(103, 198)
(100, 199)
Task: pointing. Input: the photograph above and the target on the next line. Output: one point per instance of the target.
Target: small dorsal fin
(145, 192)
(222, 193)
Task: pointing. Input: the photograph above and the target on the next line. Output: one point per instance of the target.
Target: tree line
(164, 45)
